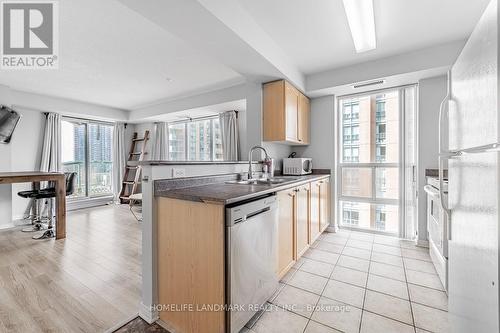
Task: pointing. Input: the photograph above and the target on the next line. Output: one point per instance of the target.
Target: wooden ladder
(132, 175)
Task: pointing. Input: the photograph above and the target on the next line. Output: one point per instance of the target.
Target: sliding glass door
(87, 150)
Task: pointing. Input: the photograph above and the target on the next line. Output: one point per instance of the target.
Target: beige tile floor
(358, 282)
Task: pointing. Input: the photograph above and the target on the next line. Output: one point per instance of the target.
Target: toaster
(297, 166)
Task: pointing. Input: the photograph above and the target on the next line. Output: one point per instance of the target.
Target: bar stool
(47, 195)
(50, 193)
(37, 220)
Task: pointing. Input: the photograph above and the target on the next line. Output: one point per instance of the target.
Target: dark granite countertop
(224, 194)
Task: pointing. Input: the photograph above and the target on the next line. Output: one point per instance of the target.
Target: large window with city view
(369, 152)
(87, 150)
(195, 140)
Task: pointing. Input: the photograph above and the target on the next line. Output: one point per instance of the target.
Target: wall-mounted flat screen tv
(8, 122)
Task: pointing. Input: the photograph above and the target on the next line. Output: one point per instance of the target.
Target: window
(196, 140)
(380, 135)
(380, 218)
(177, 142)
(87, 150)
(380, 153)
(350, 214)
(369, 164)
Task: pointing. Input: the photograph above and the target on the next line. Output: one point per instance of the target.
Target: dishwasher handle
(249, 210)
(253, 214)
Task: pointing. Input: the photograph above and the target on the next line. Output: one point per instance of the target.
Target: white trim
(332, 228)
(422, 243)
(121, 323)
(89, 202)
(149, 314)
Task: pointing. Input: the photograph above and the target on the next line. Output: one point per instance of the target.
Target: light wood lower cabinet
(324, 204)
(315, 229)
(190, 238)
(303, 216)
(302, 220)
(286, 233)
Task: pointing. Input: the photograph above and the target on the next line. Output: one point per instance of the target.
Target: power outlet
(178, 173)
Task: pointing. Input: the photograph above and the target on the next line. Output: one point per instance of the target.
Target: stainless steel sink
(268, 181)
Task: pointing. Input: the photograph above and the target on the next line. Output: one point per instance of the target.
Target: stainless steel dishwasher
(252, 259)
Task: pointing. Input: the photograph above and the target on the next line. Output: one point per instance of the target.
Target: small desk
(36, 177)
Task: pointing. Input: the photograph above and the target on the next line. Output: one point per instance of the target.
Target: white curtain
(51, 149)
(119, 161)
(160, 142)
(230, 137)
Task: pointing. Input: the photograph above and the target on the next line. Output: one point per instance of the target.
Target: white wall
(24, 150)
(5, 166)
(27, 139)
(250, 128)
(431, 93)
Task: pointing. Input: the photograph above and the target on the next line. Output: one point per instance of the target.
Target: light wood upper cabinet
(315, 212)
(302, 221)
(286, 113)
(286, 248)
(304, 114)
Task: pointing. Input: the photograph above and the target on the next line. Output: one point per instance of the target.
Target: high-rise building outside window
(369, 161)
(195, 140)
(87, 150)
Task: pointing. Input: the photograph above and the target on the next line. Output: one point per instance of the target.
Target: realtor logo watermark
(30, 34)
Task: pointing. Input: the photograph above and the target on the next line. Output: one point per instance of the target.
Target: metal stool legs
(49, 233)
(36, 220)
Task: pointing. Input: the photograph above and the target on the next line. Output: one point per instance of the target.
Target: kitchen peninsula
(192, 255)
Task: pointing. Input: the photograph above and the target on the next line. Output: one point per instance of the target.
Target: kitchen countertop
(224, 194)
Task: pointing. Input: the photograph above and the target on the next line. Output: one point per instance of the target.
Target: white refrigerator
(471, 112)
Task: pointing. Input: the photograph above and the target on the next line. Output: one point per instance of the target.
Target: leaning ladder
(132, 174)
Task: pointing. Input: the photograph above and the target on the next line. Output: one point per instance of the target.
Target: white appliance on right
(473, 179)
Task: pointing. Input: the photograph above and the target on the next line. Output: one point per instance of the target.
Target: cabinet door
(314, 208)
(291, 112)
(286, 252)
(303, 121)
(302, 220)
(324, 192)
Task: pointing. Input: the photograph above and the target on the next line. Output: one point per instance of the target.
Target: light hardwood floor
(88, 282)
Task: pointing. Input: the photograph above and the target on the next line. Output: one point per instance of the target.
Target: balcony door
(87, 150)
(370, 172)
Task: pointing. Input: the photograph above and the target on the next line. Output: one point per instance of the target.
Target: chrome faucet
(250, 176)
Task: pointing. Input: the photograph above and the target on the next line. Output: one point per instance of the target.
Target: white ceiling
(316, 34)
(111, 55)
(129, 53)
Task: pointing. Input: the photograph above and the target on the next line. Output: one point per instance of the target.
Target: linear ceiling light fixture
(362, 24)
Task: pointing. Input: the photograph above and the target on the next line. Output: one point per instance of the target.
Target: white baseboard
(422, 243)
(88, 203)
(147, 313)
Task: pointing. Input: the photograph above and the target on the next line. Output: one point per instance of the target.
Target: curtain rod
(196, 118)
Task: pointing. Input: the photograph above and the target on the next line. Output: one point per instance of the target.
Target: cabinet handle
(291, 194)
(297, 190)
